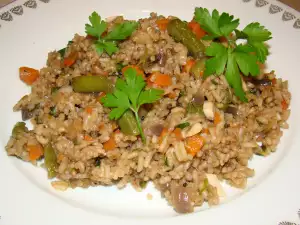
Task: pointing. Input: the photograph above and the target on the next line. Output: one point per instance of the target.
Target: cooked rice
(228, 147)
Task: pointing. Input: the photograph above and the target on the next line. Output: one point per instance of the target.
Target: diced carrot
(138, 70)
(217, 118)
(35, 151)
(110, 144)
(105, 73)
(205, 131)
(162, 80)
(89, 110)
(197, 30)
(194, 144)
(71, 59)
(87, 138)
(162, 135)
(60, 157)
(101, 126)
(284, 105)
(162, 24)
(201, 73)
(28, 75)
(178, 134)
(188, 66)
(274, 81)
(172, 95)
(102, 95)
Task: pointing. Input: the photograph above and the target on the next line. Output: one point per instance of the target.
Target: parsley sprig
(234, 59)
(108, 43)
(129, 94)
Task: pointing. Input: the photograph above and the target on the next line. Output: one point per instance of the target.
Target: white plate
(26, 196)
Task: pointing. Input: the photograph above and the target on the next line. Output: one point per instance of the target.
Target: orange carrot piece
(101, 126)
(162, 135)
(110, 144)
(138, 70)
(60, 157)
(194, 144)
(35, 152)
(87, 138)
(28, 75)
(162, 80)
(162, 24)
(71, 59)
(197, 30)
(205, 131)
(217, 118)
(284, 105)
(178, 134)
(188, 66)
(172, 95)
(89, 110)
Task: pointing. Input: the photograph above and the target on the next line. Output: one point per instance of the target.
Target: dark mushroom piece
(231, 110)
(198, 98)
(262, 82)
(161, 58)
(26, 114)
(182, 198)
(156, 129)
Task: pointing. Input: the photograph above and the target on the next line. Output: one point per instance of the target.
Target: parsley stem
(139, 126)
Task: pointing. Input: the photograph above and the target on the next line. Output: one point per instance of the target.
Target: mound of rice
(185, 180)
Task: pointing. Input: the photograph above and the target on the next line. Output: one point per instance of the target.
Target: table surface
(292, 3)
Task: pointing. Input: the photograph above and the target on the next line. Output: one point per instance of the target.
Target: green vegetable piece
(50, 161)
(88, 84)
(143, 184)
(198, 68)
(128, 124)
(216, 25)
(129, 94)
(233, 59)
(193, 109)
(181, 93)
(63, 50)
(204, 187)
(97, 26)
(53, 111)
(166, 161)
(181, 33)
(108, 43)
(54, 90)
(19, 127)
(121, 31)
(183, 125)
(262, 151)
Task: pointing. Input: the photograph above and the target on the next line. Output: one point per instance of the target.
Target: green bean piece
(183, 125)
(128, 124)
(181, 33)
(19, 127)
(88, 84)
(198, 68)
(50, 161)
(143, 184)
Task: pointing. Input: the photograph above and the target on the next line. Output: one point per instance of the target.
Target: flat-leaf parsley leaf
(129, 94)
(108, 43)
(232, 59)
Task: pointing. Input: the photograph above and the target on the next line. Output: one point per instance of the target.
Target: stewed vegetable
(181, 33)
